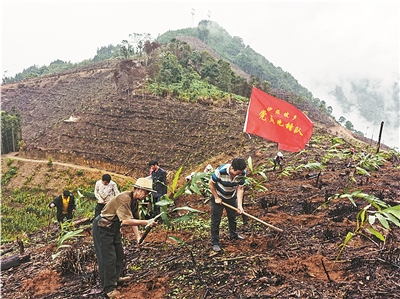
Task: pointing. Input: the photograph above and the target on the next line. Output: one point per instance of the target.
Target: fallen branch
(14, 261)
(81, 221)
(6, 251)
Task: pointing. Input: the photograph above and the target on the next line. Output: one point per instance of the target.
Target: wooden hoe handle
(254, 218)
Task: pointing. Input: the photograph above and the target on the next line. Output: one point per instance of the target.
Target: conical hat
(145, 184)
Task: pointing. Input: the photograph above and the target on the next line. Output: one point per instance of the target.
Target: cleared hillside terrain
(119, 127)
(299, 262)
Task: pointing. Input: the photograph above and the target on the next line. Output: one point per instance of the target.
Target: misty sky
(320, 43)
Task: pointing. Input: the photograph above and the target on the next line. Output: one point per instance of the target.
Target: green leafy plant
(260, 169)
(173, 188)
(336, 151)
(68, 233)
(144, 209)
(371, 162)
(376, 209)
(10, 161)
(78, 199)
(29, 178)
(167, 201)
(8, 175)
(367, 163)
(198, 184)
(25, 210)
(289, 170)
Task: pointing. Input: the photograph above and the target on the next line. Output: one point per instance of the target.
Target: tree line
(11, 131)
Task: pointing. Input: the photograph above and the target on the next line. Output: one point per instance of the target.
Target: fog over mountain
(366, 102)
(347, 46)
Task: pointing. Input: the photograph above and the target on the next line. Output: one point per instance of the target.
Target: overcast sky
(318, 42)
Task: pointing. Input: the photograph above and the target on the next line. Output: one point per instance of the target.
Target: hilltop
(120, 126)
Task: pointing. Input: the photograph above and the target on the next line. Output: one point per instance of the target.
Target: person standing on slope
(159, 177)
(277, 160)
(120, 210)
(226, 185)
(104, 190)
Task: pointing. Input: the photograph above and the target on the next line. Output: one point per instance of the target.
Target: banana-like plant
(67, 233)
(289, 170)
(366, 163)
(336, 152)
(198, 184)
(367, 217)
(256, 185)
(166, 201)
(371, 162)
(173, 188)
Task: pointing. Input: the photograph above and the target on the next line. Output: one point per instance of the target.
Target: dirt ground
(120, 128)
(299, 262)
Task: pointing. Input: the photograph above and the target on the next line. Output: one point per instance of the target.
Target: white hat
(145, 184)
(280, 154)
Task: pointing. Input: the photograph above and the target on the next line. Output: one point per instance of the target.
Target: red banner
(277, 120)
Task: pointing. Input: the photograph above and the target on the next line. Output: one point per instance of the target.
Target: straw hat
(145, 184)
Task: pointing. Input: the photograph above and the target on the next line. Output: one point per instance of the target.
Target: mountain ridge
(121, 124)
(121, 131)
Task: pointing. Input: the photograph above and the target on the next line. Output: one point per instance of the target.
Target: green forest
(11, 131)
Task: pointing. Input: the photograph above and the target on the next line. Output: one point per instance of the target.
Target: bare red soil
(299, 262)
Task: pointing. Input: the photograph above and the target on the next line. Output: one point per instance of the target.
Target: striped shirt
(224, 184)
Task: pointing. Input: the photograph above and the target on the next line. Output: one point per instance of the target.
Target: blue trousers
(109, 252)
(216, 215)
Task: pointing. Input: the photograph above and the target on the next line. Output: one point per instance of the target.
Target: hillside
(200, 46)
(297, 263)
(365, 97)
(119, 127)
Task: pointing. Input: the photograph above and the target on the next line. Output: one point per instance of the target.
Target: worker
(226, 185)
(66, 207)
(104, 190)
(120, 210)
(277, 160)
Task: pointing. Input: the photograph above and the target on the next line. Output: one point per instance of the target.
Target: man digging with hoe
(120, 210)
(227, 186)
